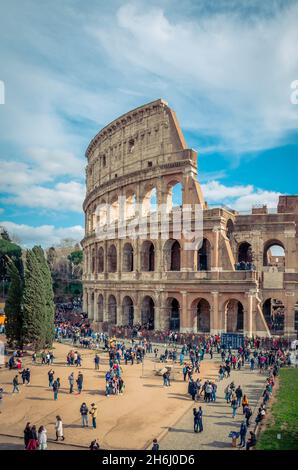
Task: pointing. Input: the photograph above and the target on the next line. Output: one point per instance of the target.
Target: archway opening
(149, 202)
(112, 259)
(203, 316)
(174, 307)
(127, 311)
(147, 256)
(274, 255)
(174, 195)
(100, 262)
(274, 313)
(112, 310)
(172, 252)
(147, 312)
(230, 229)
(204, 255)
(234, 316)
(100, 308)
(128, 257)
(245, 257)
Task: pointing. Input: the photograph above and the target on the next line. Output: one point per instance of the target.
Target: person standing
(80, 382)
(243, 431)
(71, 382)
(195, 420)
(42, 438)
(59, 428)
(55, 389)
(84, 414)
(93, 413)
(155, 445)
(234, 405)
(33, 440)
(51, 377)
(27, 434)
(239, 395)
(200, 419)
(96, 361)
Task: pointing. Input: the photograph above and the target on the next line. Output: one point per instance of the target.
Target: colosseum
(238, 273)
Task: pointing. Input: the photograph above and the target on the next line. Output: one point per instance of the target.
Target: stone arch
(114, 209)
(204, 256)
(147, 256)
(102, 212)
(274, 254)
(128, 258)
(173, 314)
(149, 200)
(100, 260)
(100, 307)
(91, 306)
(112, 259)
(93, 260)
(274, 314)
(245, 253)
(234, 316)
(172, 255)
(174, 197)
(112, 310)
(130, 204)
(202, 315)
(148, 312)
(127, 311)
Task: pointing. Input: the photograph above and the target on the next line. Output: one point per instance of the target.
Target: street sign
(232, 340)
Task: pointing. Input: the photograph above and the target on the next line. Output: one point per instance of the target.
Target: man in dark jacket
(84, 414)
(243, 431)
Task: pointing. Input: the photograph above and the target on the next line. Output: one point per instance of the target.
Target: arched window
(127, 257)
(147, 256)
(93, 259)
(172, 255)
(130, 205)
(114, 210)
(147, 312)
(204, 255)
(112, 259)
(100, 262)
(274, 254)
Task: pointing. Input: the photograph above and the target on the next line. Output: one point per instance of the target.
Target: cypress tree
(48, 295)
(34, 305)
(13, 306)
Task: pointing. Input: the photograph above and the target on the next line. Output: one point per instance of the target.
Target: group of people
(38, 439)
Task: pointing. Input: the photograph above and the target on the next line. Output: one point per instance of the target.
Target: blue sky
(70, 67)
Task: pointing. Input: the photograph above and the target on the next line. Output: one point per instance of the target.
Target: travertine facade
(231, 281)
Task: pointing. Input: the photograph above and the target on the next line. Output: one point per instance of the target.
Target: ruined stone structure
(231, 280)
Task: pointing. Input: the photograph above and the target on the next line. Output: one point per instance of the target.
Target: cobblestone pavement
(217, 417)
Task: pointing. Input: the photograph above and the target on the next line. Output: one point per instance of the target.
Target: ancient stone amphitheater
(238, 274)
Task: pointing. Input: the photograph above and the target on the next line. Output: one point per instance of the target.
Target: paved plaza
(124, 422)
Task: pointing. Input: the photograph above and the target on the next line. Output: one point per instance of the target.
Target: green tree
(9, 251)
(34, 304)
(48, 295)
(76, 257)
(13, 306)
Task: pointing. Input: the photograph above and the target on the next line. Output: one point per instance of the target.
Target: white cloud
(45, 235)
(240, 198)
(62, 197)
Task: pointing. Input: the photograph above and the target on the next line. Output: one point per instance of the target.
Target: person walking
(84, 414)
(195, 420)
(59, 428)
(234, 405)
(42, 438)
(71, 382)
(251, 441)
(243, 431)
(15, 384)
(93, 413)
(245, 402)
